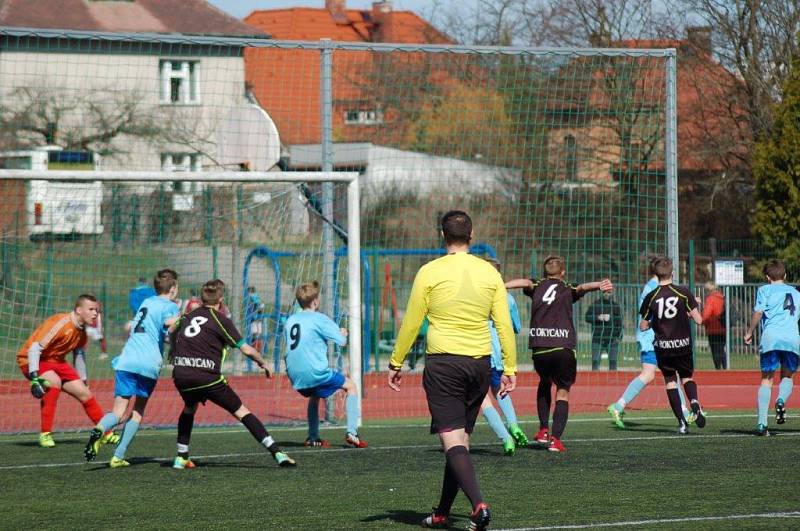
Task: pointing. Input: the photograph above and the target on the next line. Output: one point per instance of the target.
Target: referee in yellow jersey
(458, 293)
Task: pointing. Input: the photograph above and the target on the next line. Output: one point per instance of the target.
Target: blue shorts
(325, 389)
(649, 357)
(770, 361)
(496, 376)
(131, 384)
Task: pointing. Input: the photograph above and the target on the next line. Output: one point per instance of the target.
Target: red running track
(275, 402)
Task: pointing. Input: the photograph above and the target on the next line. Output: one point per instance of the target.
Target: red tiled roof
(286, 82)
(158, 16)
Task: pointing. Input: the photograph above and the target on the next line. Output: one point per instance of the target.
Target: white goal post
(353, 219)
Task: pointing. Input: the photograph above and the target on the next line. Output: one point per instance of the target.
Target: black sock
(185, 423)
(543, 401)
(258, 431)
(675, 403)
(449, 491)
(560, 415)
(460, 463)
(691, 390)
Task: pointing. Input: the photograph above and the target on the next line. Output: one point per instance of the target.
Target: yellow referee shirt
(459, 293)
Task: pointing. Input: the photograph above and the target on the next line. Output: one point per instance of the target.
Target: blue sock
(785, 389)
(313, 419)
(108, 421)
(683, 397)
(131, 427)
(496, 423)
(507, 407)
(764, 393)
(632, 391)
(351, 407)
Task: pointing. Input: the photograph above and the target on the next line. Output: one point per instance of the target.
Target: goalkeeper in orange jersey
(42, 360)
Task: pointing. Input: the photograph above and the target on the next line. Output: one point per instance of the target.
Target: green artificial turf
(645, 472)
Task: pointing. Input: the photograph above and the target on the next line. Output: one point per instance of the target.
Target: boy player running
(666, 310)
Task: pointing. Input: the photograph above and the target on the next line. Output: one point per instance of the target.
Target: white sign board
(729, 272)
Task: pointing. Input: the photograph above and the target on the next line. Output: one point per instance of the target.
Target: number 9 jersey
(307, 334)
(667, 308)
(142, 353)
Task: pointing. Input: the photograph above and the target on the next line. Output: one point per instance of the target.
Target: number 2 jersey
(201, 343)
(780, 304)
(667, 308)
(142, 353)
(307, 334)
(551, 315)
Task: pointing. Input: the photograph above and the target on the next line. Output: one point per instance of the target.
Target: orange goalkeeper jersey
(58, 335)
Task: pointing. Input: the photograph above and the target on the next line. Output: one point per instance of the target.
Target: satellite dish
(248, 136)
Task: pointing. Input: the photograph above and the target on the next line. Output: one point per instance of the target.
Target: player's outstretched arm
(519, 283)
(696, 315)
(253, 354)
(602, 285)
(748, 336)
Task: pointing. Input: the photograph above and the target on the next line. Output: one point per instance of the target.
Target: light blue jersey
(497, 353)
(780, 304)
(142, 353)
(646, 338)
(307, 334)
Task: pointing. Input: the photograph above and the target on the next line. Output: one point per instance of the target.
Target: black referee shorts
(219, 393)
(455, 387)
(558, 366)
(681, 365)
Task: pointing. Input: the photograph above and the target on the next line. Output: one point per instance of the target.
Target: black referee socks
(460, 463)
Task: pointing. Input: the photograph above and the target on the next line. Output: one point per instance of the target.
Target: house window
(359, 117)
(182, 162)
(180, 82)
(571, 157)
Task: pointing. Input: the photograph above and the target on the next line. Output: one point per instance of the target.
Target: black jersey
(667, 308)
(200, 344)
(551, 314)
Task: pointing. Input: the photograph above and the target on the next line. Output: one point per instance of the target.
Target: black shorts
(455, 387)
(558, 366)
(682, 365)
(219, 393)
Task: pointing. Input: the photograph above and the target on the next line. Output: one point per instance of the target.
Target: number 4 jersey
(142, 353)
(307, 334)
(201, 341)
(780, 304)
(551, 314)
(667, 308)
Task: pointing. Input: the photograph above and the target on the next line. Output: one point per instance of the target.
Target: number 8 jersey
(667, 308)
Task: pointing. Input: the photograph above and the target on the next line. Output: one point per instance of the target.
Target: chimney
(382, 21)
(338, 10)
(699, 38)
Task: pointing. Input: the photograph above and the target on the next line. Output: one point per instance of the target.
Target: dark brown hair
(84, 297)
(662, 266)
(212, 292)
(456, 227)
(775, 270)
(164, 281)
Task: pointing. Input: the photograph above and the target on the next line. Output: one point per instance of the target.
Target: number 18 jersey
(667, 308)
(307, 334)
(780, 304)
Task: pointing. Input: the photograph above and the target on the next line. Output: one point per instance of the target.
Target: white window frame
(189, 162)
(364, 117)
(189, 75)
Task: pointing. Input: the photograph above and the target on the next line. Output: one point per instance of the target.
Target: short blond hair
(306, 293)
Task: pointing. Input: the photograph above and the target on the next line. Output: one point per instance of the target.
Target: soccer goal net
(567, 152)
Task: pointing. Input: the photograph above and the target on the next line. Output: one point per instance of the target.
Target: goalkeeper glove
(38, 385)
